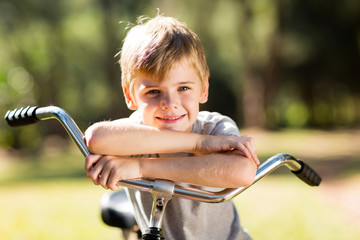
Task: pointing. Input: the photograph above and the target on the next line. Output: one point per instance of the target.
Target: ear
(205, 91)
(130, 101)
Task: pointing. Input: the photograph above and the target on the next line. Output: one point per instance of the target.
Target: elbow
(249, 179)
(92, 138)
(244, 174)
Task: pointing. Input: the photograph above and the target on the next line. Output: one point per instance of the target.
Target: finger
(250, 145)
(94, 178)
(113, 181)
(242, 148)
(250, 156)
(95, 173)
(87, 163)
(256, 159)
(103, 177)
(90, 161)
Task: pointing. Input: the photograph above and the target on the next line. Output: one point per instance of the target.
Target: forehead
(180, 72)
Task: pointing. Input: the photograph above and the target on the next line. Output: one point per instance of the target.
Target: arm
(221, 162)
(121, 137)
(229, 169)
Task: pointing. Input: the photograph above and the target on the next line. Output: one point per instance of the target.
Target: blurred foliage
(274, 64)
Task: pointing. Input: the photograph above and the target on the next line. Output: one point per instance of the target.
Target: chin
(178, 129)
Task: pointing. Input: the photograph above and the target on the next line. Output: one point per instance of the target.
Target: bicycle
(113, 205)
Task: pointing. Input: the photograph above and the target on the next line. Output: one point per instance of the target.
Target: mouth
(171, 118)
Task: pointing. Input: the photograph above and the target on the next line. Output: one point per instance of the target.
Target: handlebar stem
(162, 193)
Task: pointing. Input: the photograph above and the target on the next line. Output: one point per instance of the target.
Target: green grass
(49, 197)
(282, 207)
(56, 209)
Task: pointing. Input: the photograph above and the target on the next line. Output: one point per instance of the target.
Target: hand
(244, 144)
(107, 171)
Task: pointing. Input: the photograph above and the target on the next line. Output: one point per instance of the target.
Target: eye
(152, 92)
(183, 88)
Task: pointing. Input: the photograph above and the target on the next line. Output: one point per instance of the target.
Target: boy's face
(172, 103)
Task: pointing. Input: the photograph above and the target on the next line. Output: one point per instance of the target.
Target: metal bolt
(160, 202)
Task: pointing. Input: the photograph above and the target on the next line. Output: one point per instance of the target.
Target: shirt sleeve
(213, 123)
(135, 117)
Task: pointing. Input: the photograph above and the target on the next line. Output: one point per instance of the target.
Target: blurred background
(286, 70)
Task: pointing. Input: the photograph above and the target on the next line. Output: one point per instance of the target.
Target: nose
(169, 101)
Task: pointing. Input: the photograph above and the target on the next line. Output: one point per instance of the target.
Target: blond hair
(155, 46)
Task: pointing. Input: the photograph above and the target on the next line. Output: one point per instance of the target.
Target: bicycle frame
(162, 190)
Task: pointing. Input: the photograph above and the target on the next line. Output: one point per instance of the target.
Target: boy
(165, 78)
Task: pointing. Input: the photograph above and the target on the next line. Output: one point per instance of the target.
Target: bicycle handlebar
(29, 115)
(22, 116)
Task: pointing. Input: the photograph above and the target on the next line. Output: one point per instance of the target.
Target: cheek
(148, 102)
(192, 104)
(148, 109)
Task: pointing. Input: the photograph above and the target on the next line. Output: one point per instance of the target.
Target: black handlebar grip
(307, 174)
(21, 117)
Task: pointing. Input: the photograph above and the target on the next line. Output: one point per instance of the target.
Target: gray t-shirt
(187, 219)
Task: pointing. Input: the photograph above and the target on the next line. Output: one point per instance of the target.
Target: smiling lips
(171, 119)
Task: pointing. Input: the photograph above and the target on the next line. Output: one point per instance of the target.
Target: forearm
(224, 170)
(124, 138)
(212, 170)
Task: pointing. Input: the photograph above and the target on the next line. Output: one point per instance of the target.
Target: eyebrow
(187, 82)
(149, 84)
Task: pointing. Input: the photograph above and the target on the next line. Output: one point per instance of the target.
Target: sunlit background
(286, 70)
